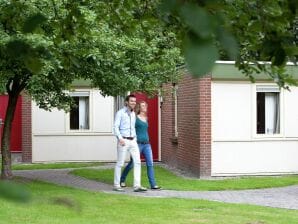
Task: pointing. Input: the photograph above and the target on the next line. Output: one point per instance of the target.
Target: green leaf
(168, 5)
(33, 22)
(228, 42)
(200, 56)
(33, 64)
(198, 20)
(268, 48)
(13, 191)
(17, 48)
(292, 50)
(279, 57)
(273, 9)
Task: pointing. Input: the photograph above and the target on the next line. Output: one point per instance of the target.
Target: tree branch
(24, 82)
(55, 9)
(9, 85)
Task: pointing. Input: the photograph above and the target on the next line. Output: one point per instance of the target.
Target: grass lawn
(168, 180)
(53, 165)
(58, 205)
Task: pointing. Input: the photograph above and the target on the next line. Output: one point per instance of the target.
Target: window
(268, 110)
(79, 113)
(118, 103)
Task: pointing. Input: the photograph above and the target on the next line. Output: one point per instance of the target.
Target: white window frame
(254, 110)
(81, 92)
(119, 102)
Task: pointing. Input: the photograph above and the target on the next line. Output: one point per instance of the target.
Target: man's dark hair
(129, 96)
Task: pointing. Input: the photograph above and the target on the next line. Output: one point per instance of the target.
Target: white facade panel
(254, 158)
(291, 112)
(47, 122)
(103, 113)
(231, 111)
(53, 140)
(74, 148)
(236, 147)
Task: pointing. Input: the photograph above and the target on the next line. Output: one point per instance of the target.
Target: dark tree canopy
(47, 44)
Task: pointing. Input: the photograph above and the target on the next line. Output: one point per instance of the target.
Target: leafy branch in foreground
(245, 31)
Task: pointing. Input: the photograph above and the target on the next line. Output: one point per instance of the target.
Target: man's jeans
(146, 150)
(130, 146)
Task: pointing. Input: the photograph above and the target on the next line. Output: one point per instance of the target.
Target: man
(124, 129)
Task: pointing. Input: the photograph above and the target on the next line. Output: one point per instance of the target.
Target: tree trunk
(5, 147)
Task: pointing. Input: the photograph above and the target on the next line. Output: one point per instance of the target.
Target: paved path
(283, 197)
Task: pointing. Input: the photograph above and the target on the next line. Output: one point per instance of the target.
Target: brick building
(224, 125)
(218, 125)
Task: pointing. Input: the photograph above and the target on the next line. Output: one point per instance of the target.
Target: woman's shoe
(122, 184)
(156, 188)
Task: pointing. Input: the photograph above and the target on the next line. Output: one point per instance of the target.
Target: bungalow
(83, 134)
(224, 125)
(218, 125)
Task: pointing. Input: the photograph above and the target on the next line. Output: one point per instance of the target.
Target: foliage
(266, 32)
(245, 31)
(46, 44)
(119, 45)
(146, 51)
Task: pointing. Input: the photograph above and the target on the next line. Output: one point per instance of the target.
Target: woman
(144, 146)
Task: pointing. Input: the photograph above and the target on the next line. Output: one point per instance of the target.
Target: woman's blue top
(142, 130)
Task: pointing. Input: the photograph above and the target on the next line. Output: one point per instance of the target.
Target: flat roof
(226, 70)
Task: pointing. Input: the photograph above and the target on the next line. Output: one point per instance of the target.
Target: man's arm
(117, 125)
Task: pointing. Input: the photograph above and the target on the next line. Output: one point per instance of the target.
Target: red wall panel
(16, 132)
(152, 120)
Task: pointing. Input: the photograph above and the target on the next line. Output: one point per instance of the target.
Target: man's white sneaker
(119, 189)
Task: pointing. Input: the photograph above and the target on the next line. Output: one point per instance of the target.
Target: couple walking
(131, 131)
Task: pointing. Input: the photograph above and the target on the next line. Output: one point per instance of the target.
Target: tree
(123, 45)
(46, 45)
(245, 31)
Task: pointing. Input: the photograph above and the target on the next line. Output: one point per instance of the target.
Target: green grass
(51, 204)
(53, 165)
(168, 180)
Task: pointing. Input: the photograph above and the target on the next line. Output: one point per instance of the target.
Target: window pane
(272, 113)
(83, 112)
(118, 103)
(260, 113)
(74, 114)
(79, 114)
(268, 113)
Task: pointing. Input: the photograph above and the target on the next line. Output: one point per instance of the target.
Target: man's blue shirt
(124, 124)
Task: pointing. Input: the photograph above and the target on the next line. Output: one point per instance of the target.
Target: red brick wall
(26, 129)
(168, 147)
(205, 125)
(192, 153)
